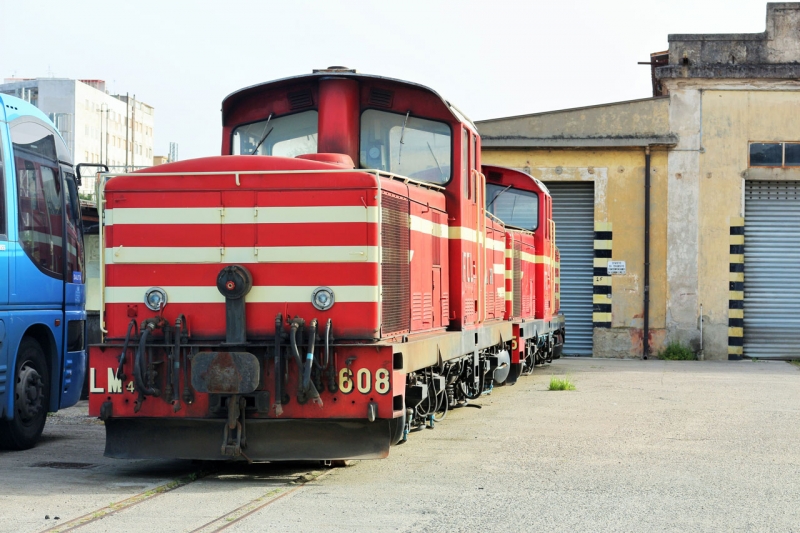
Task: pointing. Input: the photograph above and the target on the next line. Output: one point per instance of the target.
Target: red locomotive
(345, 272)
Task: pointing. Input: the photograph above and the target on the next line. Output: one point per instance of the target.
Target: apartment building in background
(98, 127)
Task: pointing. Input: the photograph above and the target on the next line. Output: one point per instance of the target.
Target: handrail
(99, 185)
(496, 218)
(552, 265)
(238, 173)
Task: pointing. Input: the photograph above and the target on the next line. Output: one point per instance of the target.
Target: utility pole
(127, 128)
(100, 137)
(133, 132)
(107, 110)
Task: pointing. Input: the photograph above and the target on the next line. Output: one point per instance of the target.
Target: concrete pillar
(683, 194)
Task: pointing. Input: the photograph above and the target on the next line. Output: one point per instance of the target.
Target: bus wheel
(31, 392)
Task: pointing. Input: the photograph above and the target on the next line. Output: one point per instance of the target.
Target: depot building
(678, 216)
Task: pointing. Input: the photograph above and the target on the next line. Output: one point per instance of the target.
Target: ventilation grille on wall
(300, 99)
(395, 273)
(381, 98)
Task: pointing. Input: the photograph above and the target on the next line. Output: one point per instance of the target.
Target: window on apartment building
(775, 154)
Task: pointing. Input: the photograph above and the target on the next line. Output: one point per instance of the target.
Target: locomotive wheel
(31, 399)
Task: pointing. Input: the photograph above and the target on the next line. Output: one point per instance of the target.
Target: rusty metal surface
(225, 372)
(267, 440)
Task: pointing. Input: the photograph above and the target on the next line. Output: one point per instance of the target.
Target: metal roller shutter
(771, 268)
(573, 212)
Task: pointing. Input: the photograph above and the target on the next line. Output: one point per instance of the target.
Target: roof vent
(494, 175)
(300, 99)
(336, 68)
(381, 97)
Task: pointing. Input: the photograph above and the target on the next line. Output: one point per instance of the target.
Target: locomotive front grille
(395, 274)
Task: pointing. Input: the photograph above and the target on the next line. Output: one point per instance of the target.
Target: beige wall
(730, 120)
(619, 199)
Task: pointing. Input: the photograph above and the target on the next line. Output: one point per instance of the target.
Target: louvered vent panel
(395, 274)
(445, 309)
(416, 306)
(427, 308)
(381, 98)
(517, 279)
(300, 99)
(469, 308)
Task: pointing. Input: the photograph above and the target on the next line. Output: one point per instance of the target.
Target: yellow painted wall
(730, 120)
(623, 206)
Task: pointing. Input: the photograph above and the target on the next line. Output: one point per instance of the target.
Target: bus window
(2, 191)
(75, 256)
(39, 191)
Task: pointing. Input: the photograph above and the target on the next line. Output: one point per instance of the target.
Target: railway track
(210, 499)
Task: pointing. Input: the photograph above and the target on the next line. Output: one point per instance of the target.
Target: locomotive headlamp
(322, 298)
(155, 299)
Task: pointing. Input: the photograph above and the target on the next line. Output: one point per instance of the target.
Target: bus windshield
(287, 136)
(514, 207)
(402, 144)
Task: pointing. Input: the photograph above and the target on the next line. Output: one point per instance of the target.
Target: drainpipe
(646, 313)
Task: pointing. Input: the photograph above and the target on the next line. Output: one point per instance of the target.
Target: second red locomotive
(345, 271)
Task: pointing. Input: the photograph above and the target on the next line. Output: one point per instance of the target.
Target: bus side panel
(73, 371)
(4, 373)
(18, 324)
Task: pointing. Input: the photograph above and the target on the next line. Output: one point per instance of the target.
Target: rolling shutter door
(771, 268)
(573, 213)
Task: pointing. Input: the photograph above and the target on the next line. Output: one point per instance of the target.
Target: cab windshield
(403, 144)
(513, 206)
(287, 136)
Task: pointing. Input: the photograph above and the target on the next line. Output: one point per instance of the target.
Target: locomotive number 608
(363, 381)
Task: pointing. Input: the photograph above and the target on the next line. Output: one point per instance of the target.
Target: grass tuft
(561, 384)
(676, 351)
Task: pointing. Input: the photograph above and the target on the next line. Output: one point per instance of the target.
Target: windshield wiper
(441, 174)
(402, 136)
(497, 196)
(264, 138)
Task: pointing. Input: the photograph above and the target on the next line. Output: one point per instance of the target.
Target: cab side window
(39, 189)
(465, 163)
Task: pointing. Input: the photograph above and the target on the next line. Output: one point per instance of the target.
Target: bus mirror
(80, 166)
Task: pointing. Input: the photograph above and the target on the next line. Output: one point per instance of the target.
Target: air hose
(131, 326)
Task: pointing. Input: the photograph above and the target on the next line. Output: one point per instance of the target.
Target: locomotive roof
(515, 173)
(336, 72)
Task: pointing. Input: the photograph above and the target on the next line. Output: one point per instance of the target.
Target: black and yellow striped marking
(601, 298)
(736, 290)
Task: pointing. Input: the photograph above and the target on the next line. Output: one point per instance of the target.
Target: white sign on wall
(616, 267)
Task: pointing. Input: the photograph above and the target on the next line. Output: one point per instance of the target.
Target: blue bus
(42, 316)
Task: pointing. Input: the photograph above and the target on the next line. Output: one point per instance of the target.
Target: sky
(491, 58)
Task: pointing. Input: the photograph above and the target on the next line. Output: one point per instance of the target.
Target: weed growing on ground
(796, 363)
(561, 383)
(676, 351)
